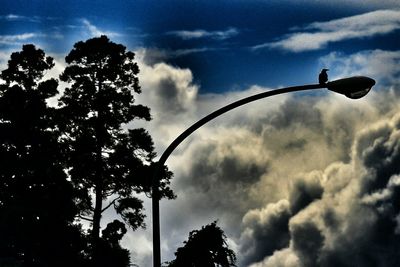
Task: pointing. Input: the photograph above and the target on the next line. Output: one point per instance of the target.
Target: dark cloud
(307, 242)
(220, 179)
(294, 113)
(296, 144)
(169, 95)
(350, 215)
(223, 169)
(381, 157)
(303, 193)
(267, 230)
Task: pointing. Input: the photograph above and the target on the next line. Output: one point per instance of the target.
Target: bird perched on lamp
(323, 76)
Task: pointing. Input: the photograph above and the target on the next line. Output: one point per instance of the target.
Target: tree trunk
(98, 186)
(98, 205)
(96, 222)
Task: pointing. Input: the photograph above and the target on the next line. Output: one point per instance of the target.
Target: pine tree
(206, 247)
(106, 161)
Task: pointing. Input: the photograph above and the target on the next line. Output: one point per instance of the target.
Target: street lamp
(353, 87)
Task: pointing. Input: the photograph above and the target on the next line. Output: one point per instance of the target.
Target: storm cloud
(355, 221)
(297, 180)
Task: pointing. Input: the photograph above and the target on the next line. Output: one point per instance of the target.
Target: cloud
(197, 34)
(318, 35)
(355, 222)
(280, 258)
(279, 170)
(95, 31)
(152, 56)
(382, 65)
(15, 17)
(4, 57)
(19, 39)
(185, 52)
(266, 231)
(16, 38)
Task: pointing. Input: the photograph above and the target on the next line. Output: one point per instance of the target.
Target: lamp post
(353, 87)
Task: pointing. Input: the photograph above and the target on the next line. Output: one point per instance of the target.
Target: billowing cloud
(355, 222)
(197, 34)
(266, 231)
(293, 181)
(318, 35)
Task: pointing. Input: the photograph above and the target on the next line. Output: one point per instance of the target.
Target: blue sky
(291, 180)
(203, 35)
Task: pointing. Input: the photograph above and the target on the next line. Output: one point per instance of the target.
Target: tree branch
(111, 203)
(84, 218)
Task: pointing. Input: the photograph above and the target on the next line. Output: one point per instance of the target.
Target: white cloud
(4, 57)
(185, 52)
(15, 17)
(196, 34)
(94, 31)
(155, 55)
(12, 39)
(19, 39)
(381, 65)
(318, 35)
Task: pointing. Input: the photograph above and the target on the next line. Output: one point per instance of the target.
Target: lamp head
(353, 87)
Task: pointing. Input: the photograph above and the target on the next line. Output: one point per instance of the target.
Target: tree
(206, 247)
(105, 159)
(36, 200)
(112, 254)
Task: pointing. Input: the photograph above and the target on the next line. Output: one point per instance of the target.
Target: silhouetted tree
(106, 159)
(36, 200)
(111, 252)
(206, 247)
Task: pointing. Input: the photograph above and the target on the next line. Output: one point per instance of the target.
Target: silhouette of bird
(323, 76)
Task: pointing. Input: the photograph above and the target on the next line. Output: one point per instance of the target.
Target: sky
(306, 179)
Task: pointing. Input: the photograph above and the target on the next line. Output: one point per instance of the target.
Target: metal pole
(184, 135)
(156, 221)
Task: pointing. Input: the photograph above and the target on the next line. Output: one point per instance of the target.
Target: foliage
(36, 200)
(206, 247)
(112, 254)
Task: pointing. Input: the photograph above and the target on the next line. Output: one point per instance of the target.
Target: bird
(323, 76)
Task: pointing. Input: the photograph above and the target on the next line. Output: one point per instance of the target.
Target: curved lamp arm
(227, 108)
(352, 87)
